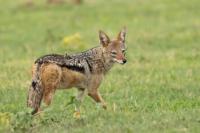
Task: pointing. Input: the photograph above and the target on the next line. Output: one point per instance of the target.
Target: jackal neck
(97, 60)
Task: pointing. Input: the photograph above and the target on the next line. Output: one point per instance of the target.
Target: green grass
(158, 90)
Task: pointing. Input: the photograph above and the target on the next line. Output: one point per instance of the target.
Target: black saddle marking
(75, 68)
(60, 60)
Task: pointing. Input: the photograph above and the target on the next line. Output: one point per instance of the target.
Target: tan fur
(54, 72)
(53, 77)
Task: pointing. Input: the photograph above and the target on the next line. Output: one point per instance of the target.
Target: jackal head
(114, 49)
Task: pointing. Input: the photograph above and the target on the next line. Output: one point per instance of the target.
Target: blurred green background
(156, 91)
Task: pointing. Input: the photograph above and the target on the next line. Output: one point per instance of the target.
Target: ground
(156, 91)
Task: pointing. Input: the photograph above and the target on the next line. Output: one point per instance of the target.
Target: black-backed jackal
(83, 71)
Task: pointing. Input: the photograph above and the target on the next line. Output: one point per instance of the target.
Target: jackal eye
(113, 52)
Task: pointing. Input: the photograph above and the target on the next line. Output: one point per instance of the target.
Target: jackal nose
(124, 61)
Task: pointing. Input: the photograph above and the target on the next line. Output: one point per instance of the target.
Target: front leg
(79, 99)
(94, 94)
(81, 94)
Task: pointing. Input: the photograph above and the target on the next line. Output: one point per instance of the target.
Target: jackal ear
(104, 39)
(122, 34)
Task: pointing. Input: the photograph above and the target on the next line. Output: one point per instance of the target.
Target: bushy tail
(35, 92)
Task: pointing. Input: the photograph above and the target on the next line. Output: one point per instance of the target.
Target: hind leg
(51, 75)
(48, 96)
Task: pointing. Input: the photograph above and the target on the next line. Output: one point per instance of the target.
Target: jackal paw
(102, 105)
(36, 112)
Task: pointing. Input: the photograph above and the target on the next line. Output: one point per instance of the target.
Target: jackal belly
(71, 78)
(57, 77)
